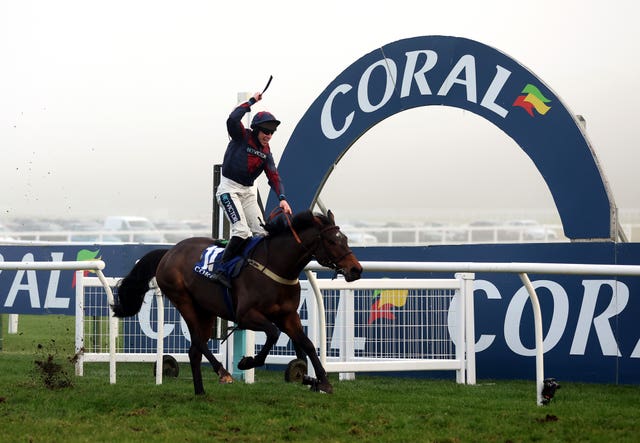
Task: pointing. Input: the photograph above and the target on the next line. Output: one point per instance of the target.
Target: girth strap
(272, 275)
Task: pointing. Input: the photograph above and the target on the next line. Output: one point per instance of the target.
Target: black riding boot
(232, 248)
(230, 251)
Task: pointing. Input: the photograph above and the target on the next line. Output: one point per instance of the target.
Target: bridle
(329, 263)
(321, 238)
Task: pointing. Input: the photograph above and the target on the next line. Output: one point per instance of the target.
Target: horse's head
(333, 249)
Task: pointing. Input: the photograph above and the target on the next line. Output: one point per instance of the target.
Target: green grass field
(369, 409)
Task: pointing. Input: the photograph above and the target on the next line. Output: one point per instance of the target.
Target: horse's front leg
(255, 321)
(292, 326)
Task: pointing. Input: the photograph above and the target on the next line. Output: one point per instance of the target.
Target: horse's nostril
(353, 273)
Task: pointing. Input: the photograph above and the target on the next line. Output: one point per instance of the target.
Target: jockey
(247, 156)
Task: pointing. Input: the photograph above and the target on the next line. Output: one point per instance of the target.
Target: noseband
(329, 263)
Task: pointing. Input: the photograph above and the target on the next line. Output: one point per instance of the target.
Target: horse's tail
(134, 286)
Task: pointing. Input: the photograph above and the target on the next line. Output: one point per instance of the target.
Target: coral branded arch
(462, 73)
(590, 323)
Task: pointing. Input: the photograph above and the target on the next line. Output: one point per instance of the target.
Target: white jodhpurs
(240, 205)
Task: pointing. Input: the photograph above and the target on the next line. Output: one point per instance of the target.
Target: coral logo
(532, 99)
(84, 255)
(384, 301)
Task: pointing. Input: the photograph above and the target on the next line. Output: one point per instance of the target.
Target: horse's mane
(300, 221)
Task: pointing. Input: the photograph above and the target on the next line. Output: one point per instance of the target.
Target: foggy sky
(119, 107)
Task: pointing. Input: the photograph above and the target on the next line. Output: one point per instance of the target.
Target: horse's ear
(331, 218)
(317, 221)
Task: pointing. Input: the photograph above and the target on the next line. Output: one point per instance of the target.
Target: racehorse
(264, 296)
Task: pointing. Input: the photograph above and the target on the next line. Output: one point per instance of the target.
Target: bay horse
(264, 296)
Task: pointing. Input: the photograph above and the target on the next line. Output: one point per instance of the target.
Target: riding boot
(230, 251)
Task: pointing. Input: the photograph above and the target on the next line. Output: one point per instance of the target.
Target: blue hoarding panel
(53, 292)
(590, 323)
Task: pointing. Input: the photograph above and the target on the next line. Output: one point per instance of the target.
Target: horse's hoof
(316, 385)
(246, 363)
(226, 379)
(326, 388)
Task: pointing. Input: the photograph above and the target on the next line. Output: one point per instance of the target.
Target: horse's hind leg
(257, 322)
(200, 329)
(195, 360)
(223, 374)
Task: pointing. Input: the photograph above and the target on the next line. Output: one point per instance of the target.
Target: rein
(277, 211)
(328, 264)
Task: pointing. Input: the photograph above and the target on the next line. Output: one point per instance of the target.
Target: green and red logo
(85, 255)
(384, 301)
(532, 99)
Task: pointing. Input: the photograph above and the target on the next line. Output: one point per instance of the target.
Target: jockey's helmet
(264, 119)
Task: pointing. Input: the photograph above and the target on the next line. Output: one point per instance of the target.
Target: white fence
(369, 235)
(358, 236)
(522, 269)
(435, 331)
(100, 337)
(89, 265)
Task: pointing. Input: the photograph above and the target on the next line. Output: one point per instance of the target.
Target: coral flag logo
(384, 301)
(84, 255)
(533, 99)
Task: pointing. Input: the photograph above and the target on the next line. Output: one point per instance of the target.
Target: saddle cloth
(210, 260)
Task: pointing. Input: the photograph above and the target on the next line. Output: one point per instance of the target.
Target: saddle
(210, 259)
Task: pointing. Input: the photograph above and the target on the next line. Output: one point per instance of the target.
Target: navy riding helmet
(265, 120)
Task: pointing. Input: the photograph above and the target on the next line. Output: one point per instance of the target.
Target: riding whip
(267, 86)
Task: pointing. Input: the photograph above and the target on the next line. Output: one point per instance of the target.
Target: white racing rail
(441, 344)
(522, 269)
(89, 265)
(463, 333)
